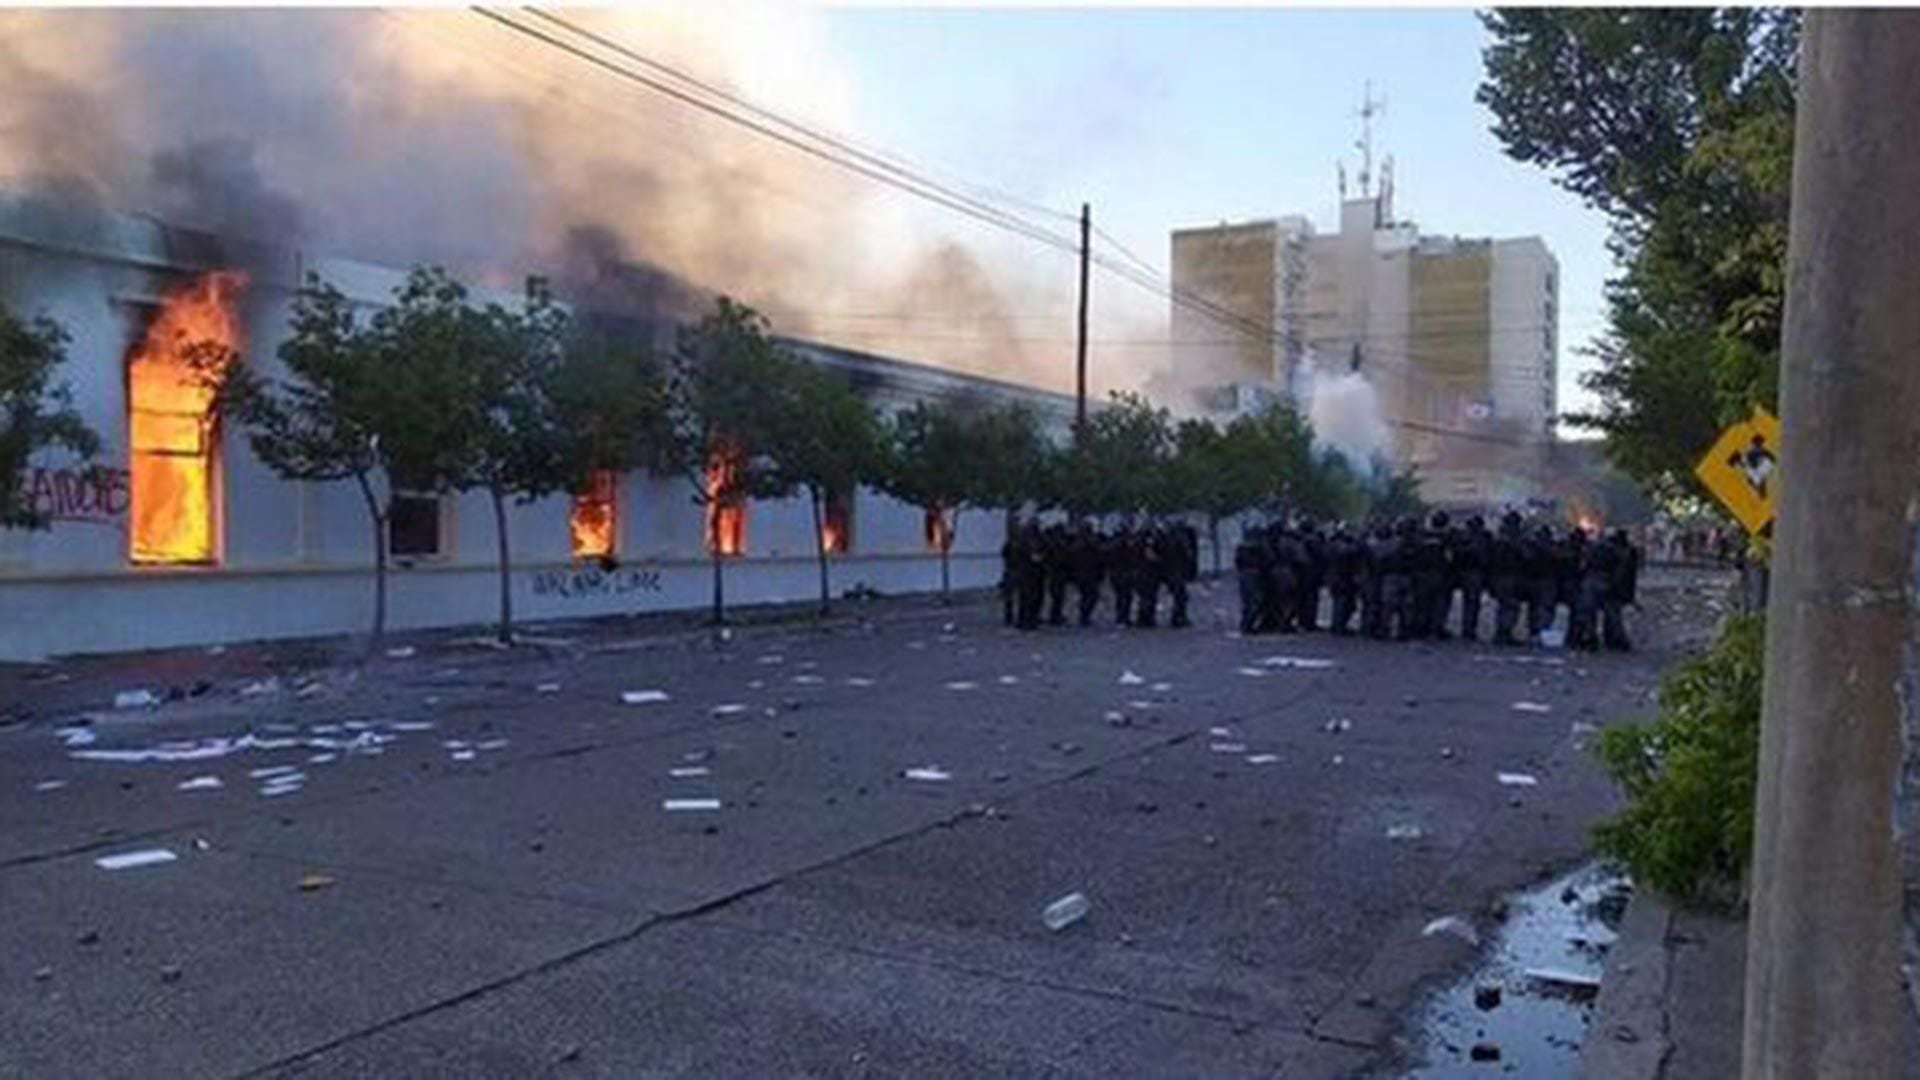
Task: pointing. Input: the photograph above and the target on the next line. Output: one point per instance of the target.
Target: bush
(1689, 776)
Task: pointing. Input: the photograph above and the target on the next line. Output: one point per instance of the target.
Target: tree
(609, 399)
(956, 453)
(326, 422)
(1216, 473)
(1678, 125)
(826, 441)
(35, 413)
(1116, 461)
(724, 413)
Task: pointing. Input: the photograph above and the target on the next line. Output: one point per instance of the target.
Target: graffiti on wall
(586, 581)
(78, 493)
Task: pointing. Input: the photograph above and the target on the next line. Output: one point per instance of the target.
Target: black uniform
(1312, 576)
(1122, 572)
(1177, 560)
(1506, 567)
(1289, 557)
(1053, 546)
(1471, 551)
(1345, 555)
(1391, 555)
(1429, 571)
(1247, 561)
(1030, 575)
(1569, 566)
(1148, 576)
(1543, 587)
(1009, 560)
(1084, 559)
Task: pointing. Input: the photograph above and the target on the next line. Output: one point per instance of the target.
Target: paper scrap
(962, 685)
(644, 697)
(127, 860)
(1306, 663)
(927, 773)
(685, 772)
(50, 785)
(201, 783)
(1128, 678)
(1262, 759)
(690, 804)
(729, 709)
(1518, 779)
(1532, 707)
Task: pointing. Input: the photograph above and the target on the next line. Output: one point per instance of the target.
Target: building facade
(1458, 337)
(180, 536)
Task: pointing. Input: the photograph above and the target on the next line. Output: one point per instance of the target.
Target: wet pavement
(808, 851)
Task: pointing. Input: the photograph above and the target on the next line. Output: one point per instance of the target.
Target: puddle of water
(1561, 927)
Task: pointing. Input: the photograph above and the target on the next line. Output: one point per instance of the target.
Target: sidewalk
(1671, 999)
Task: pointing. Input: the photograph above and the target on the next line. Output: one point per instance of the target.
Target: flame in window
(171, 428)
(726, 509)
(939, 533)
(594, 512)
(836, 524)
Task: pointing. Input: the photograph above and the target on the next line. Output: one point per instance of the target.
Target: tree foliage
(825, 441)
(35, 412)
(1678, 125)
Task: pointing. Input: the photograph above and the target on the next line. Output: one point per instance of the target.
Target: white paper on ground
(1532, 707)
(127, 860)
(50, 785)
(1309, 663)
(272, 770)
(1517, 779)
(690, 804)
(859, 680)
(201, 783)
(1128, 678)
(688, 771)
(1228, 748)
(962, 685)
(644, 697)
(465, 755)
(729, 709)
(1262, 759)
(928, 773)
(547, 688)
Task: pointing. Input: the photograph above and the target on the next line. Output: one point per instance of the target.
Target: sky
(1169, 118)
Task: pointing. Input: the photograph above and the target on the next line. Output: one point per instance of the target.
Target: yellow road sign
(1743, 469)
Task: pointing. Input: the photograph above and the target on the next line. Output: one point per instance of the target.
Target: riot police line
(1401, 581)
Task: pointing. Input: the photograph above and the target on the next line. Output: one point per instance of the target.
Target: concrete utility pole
(1080, 401)
(1823, 995)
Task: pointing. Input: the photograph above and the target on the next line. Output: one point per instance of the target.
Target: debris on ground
(128, 860)
(201, 783)
(729, 709)
(547, 688)
(1454, 926)
(1405, 832)
(1064, 912)
(1485, 1052)
(687, 772)
(689, 804)
(1161, 687)
(1128, 678)
(962, 684)
(49, 785)
(1574, 984)
(859, 680)
(644, 697)
(927, 772)
(1303, 663)
(1518, 779)
(403, 652)
(1336, 726)
(1252, 673)
(1262, 759)
(261, 686)
(135, 699)
(1486, 998)
(1228, 748)
(315, 882)
(1532, 707)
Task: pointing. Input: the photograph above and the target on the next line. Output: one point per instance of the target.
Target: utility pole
(1823, 995)
(1080, 402)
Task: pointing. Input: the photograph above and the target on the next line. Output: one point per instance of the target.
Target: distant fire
(836, 524)
(594, 511)
(170, 423)
(939, 533)
(726, 510)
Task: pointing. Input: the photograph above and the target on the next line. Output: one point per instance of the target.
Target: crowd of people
(1401, 580)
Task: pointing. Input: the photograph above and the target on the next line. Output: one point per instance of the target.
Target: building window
(836, 523)
(939, 532)
(172, 433)
(726, 507)
(413, 527)
(595, 510)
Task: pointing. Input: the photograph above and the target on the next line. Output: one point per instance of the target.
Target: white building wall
(295, 559)
(1525, 332)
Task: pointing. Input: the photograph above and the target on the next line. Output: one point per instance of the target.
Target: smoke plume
(409, 136)
(1346, 416)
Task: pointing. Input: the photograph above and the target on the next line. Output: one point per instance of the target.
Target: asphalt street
(467, 862)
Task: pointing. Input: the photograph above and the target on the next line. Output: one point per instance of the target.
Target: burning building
(178, 535)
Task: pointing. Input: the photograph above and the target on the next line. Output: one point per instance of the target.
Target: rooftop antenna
(1370, 107)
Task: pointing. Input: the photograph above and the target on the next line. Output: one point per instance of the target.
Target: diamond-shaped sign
(1743, 469)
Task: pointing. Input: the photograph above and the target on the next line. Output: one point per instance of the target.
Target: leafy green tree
(341, 414)
(724, 410)
(1677, 124)
(826, 441)
(1217, 473)
(609, 399)
(1117, 460)
(35, 413)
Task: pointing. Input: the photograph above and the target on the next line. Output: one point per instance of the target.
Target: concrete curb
(1628, 1038)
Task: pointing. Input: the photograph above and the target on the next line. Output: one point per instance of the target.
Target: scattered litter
(1581, 727)
(1252, 672)
(494, 744)
(928, 772)
(1220, 732)
(128, 860)
(411, 725)
(292, 779)
(1485, 1051)
(687, 772)
(1405, 832)
(260, 686)
(1335, 726)
(1262, 759)
(314, 882)
(1486, 998)
(547, 688)
(1453, 925)
(690, 804)
(771, 658)
(1140, 704)
(1575, 983)
(696, 755)
(311, 689)
(1306, 663)
(135, 699)
(729, 709)
(272, 770)
(75, 735)
(1114, 716)
(49, 785)
(1339, 759)
(464, 755)
(808, 680)
(1128, 678)
(1228, 748)
(201, 783)
(1531, 707)
(1064, 912)
(455, 744)
(1446, 752)
(1161, 687)
(859, 680)
(962, 685)
(1009, 680)
(404, 652)
(1518, 779)
(644, 697)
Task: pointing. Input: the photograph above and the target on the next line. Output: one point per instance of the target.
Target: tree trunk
(820, 548)
(379, 519)
(719, 615)
(506, 567)
(946, 549)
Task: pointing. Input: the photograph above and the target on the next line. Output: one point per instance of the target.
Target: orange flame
(594, 511)
(726, 511)
(170, 421)
(836, 525)
(939, 533)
